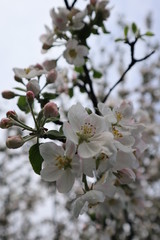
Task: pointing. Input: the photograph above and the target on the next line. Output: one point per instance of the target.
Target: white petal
(69, 133)
(88, 166)
(70, 149)
(50, 173)
(49, 151)
(125, 160)
(76, 116)
(88, 149)
(66, 181)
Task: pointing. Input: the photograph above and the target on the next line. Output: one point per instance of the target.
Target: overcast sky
(22, 22)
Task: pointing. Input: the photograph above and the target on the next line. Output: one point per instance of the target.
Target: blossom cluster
(104, 147)
(98, 147)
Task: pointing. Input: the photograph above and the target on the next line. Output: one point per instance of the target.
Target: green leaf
(79, 69)
(149, 34)
(119, 39)
(55, 135)
(97, 74)
(35, 158)
(20, 89)
(126, 31)
(48, 95)
(134, 27)
(70, 92)
(22, 104)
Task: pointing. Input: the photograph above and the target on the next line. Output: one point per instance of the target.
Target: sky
(22, 22)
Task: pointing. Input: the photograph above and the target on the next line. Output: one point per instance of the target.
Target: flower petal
(66, 181)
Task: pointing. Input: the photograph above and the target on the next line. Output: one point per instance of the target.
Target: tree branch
(91, 94)
(67, 4)
(132, 63)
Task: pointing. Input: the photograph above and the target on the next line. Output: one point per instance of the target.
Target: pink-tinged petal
(49, 151)
(76, 116)
(66, 181)
(69, 133)
(126, 160)
(50, 173)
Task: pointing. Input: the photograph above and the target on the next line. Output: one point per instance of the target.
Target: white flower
(75, 53)
(89, 199)
(59, 165)
(77, 20)
(29, 72)
(60, 19)
(87, 131)
(47, 39)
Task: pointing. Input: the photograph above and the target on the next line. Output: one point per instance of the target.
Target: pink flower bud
(6, 123)
(51, 77)
(14, 142)
(8, 94)
(93, 2)
(38, 66)
(33, 86)
(30, 97)
(50, 110)
(12, 114)
(49, 64)
(126, 176)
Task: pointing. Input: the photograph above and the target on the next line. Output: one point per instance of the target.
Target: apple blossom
(60, 165)
(87, 131)
(8, 94)
(29, 72)
(88, 200)
(75, 53)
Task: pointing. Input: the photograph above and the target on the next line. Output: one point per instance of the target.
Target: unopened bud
(46, 46)
(14, 142)
(49, 64)
(51, 77)
(6, 123)
(93, 2)
(38, 66)
(50, 110)
(33, 86)
(12, 114)
(126, 176)
(30, 97)
(8, 94)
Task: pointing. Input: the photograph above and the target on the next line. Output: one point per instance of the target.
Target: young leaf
(22, 104)
(149, 34)
(35, 158)
(55, 135)
(97, 74)
(134, 27)
(126, 31)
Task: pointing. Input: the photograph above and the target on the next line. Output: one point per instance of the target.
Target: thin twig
(132, 63)
(67, 4)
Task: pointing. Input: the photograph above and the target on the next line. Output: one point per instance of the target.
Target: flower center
(27, 70)
(119, 116)
(116, 133)
(72, 53)
(87, 131)
(63, 162)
